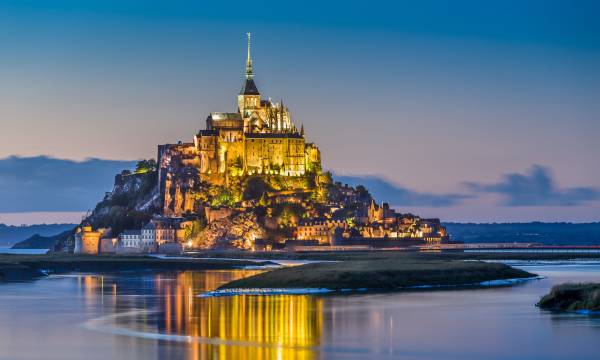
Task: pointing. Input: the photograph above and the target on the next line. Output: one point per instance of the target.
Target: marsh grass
(572, 297)
(387, 274)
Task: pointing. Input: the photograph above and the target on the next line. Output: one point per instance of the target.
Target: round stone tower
(87, 241)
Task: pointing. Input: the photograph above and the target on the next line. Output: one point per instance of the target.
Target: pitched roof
(249, 88)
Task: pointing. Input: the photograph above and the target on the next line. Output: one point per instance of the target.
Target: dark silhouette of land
(381, 275)
(561, 233)
(30, 267)
(572, 297)
(11, 234)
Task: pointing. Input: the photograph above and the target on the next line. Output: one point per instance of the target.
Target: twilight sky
(464, 110)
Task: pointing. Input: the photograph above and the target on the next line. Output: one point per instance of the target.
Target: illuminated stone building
(109, 245)
(87, 241)
(381, 214)
(130, 242)
(376, 226)
(259, 138)
(321, 230)
(156, 232)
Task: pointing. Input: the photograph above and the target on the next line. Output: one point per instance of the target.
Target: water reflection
(166, 307)
(158, 316)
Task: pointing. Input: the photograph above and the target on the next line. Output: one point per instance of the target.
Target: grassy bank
(387, 274)
(28, 267)
(572, 297)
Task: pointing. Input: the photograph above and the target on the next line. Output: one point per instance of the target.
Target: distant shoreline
(10, 250)
(32, 267)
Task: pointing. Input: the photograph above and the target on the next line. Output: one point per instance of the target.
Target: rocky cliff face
(178, 178)
(132, 202)
(236, 231)
(137, 192)
(179, 189)
(136, 198)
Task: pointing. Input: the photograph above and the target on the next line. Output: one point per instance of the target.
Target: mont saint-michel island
(251, 180)
(382, 180)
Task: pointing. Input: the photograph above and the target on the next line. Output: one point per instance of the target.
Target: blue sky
(431, 97)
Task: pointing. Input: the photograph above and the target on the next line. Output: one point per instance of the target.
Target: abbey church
(259, 138)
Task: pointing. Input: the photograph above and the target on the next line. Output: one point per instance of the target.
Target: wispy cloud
(44, 183)
(384, 190)
(535, 188)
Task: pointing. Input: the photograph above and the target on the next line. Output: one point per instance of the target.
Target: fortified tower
(87, 241)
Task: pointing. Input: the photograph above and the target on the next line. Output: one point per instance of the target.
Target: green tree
(221, 196)
(236, 168)
(144, 166)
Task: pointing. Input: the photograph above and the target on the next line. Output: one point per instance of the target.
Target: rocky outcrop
(132, 202)
(133, 195)
(178, 178)
(135, 191)
(235, 232)
(179, 189)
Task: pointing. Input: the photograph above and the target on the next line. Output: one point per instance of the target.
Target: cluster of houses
(368, 225)
(159, 235)
(375, 225)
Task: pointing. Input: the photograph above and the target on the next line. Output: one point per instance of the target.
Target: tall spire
(249, 87)
(249, 71)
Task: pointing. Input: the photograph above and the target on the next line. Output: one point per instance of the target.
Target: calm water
(8, 250)
(159, 316)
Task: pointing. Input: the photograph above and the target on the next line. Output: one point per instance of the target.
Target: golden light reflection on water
(239, 327)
